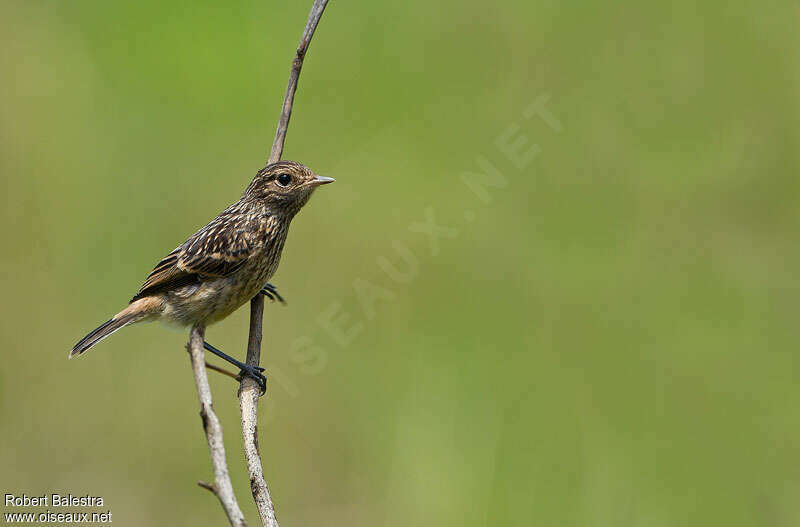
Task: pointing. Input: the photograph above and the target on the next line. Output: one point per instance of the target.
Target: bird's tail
(135, 312)
(105, 329)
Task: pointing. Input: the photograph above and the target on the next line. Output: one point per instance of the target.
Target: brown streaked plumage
(224, 264)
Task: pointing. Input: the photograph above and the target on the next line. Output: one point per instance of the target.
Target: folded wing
(219, 249)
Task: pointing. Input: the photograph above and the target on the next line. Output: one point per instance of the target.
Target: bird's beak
(322, 180)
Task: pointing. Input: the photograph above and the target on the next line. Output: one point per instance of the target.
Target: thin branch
(223, 371)
(208, 486)
(249, 391)
(294, 74)
(222, 487)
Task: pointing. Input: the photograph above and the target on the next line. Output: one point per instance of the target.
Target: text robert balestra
(53, 500)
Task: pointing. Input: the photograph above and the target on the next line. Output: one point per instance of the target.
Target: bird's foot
(255, 373)
(244, 369)
(271, 292)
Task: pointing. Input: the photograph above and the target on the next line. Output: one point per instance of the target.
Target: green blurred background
(611, 339)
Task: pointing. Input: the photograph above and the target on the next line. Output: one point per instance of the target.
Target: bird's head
(284, 187)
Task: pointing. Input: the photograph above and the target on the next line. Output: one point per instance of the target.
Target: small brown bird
(224, 264)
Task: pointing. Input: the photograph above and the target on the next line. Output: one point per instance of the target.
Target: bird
(224, 264)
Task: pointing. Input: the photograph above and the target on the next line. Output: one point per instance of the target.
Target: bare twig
(223, 371)
(249, 390)
(286, 110)
(208, 486)
(222, 487)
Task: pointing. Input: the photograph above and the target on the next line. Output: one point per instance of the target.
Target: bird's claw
(271, 292)
(255, 373)
(244, 368)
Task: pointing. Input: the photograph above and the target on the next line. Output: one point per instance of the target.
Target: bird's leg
(270, 290)
(223, 371)
(244, 369)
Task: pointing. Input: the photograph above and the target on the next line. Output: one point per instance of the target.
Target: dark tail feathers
(106, 329)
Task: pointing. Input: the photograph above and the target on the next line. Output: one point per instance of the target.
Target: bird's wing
(218, 249)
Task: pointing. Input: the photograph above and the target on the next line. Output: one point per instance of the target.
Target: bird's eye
(283, 180)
